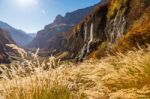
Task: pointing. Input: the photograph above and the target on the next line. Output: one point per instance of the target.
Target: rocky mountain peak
(59, 19)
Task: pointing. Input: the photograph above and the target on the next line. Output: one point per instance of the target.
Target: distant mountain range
(19, 36)
(33, 35)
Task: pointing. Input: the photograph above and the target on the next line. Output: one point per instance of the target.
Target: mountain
(19, 36)
(112, 26)
(5, 38)
(33, 35)
(51, 37)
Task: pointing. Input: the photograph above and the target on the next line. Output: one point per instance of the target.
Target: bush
(42, 91)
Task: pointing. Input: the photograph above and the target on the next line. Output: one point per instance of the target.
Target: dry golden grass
(114, 77)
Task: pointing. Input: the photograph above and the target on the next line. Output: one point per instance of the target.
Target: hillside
(114, 77)
(5, 38)
(19, 36)
(101, 31)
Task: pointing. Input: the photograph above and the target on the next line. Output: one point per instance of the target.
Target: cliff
(112, 25)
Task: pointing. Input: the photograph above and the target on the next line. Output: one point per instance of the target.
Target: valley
(97, 52)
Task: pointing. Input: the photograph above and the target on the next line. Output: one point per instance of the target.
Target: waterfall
(83, 51)
(86, 47)
(91, 38)
(85, 33)
(91, 33)
(122, 29)
(116, 28)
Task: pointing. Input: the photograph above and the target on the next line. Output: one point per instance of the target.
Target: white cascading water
(91, 38)
(86, 47)
(85, 33)
(116, 31)
(85, 39)
(122, 29)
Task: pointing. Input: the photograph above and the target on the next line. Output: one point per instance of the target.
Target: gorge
(97, 52)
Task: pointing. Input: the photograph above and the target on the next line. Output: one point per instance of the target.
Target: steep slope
(51, 37)
(5, 38)
(20, 37)
(102, 30)
(139, 34)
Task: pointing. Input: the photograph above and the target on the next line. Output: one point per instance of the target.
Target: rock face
(5, 38)
(90, 32)
(105, 26)
(51, 37)
(20, 37)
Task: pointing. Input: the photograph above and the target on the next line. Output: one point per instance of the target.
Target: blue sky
(33, 15)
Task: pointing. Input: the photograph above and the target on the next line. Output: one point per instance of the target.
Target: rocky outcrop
(5, 38)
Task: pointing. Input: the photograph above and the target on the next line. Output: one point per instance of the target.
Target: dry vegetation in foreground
(114, 77)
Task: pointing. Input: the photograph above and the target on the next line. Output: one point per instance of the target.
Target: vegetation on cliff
(138, 35)
(115, 6)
